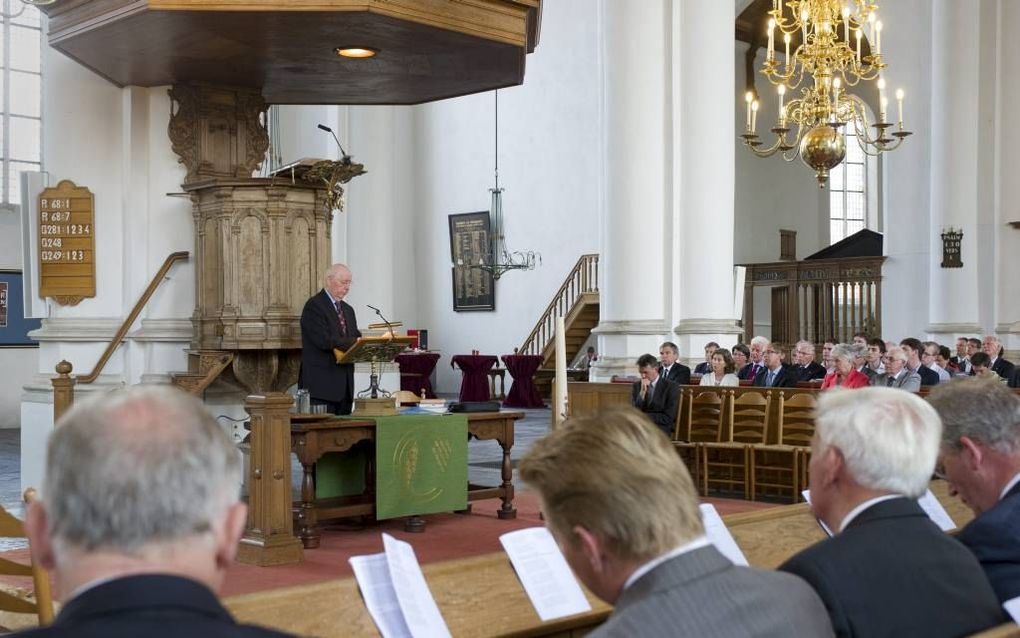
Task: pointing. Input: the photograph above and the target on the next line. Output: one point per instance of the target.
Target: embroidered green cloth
(421, 464)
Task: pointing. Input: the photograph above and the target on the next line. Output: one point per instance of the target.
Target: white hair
(896, 352)
(807, 346)
(889, 438)
(760, 341)
(842, 351)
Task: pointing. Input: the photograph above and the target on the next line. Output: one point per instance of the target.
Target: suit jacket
(910, 381)
(893, 572)
(747, 372)
(678, 373)
(784, 378)
(1004, 369)
(994, 538)
(703, 368)
(320, 333)
(701, 593)
(662, 406)
(928, 376)
(810, 372)
(962, 364)
(853, 380)
(149, 605)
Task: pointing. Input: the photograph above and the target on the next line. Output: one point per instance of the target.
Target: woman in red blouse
(844, 375)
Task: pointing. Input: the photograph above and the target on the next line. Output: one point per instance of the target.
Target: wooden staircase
(204, 366)
(577, 301)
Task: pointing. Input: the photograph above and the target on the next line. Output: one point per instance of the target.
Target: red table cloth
(523, 393)
(475, 385)
(415, 370)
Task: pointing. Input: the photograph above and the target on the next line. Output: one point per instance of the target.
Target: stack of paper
(544, 573)
(396, 594)
(720, 536)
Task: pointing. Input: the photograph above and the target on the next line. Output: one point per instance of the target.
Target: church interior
(528, 196)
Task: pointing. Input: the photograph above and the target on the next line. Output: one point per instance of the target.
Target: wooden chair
(11, 527)
(681, 436)
(746, 426)
(783, 465)
(701, 422)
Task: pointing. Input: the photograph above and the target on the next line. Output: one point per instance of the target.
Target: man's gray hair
(842, 351)
(858, 350)
(806, 346)
(889, 438)
(896, 352)
(980, 409)
(760, 341)
(136, 466)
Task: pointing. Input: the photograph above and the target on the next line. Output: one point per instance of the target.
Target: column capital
(707, 326)
(632, 327)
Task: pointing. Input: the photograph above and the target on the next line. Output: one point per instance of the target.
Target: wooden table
(313, 437)
(477, 596)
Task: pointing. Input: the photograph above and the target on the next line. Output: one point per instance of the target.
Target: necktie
(890, 381)
(340, 316)
(770, 378)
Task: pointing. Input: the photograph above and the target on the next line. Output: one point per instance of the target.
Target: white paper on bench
(373, 576)
(807, 498)
(544, 573)
(420, 611)
(719, 534)
(1012, 607)
(928, 503)
(936, 512)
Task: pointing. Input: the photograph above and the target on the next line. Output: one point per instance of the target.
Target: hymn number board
(67, 243)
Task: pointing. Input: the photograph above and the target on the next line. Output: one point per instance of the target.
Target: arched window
(20, 96)
(848, 191)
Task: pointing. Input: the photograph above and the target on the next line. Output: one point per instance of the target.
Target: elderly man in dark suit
(328, 322)
(670, 368)
(140, 518)
(981, 460)
(656, 396)
(993, 348)
(623, 508)
(807, 369)
(889, 570)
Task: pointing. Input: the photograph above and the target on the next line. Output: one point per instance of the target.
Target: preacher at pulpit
(328, 322)
(623, 508)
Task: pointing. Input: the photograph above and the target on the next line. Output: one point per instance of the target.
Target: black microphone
(323, 127)
(389, 326)
(372, 307)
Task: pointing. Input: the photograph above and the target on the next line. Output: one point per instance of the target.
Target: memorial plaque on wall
(952, 241)
(470, 245)
(67, 244)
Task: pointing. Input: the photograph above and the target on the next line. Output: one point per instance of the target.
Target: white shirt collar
(1012, 483)
(331, 299)
(697, 543)
(855, 512)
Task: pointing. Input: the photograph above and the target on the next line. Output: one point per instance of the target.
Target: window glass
(25, 94)
(25, 51)
(24, 139)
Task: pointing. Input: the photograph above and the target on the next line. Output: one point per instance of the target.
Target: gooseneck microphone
(323, 127)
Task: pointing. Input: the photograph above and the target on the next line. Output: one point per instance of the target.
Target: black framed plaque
(14, 327)
(473, 287)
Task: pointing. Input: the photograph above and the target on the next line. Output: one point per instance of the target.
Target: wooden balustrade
(583, 279)
(64, 384)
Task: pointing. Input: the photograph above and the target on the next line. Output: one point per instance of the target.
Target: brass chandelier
(827, 61)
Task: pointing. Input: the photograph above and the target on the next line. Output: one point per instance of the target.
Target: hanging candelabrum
(829, 59)
(499, 259)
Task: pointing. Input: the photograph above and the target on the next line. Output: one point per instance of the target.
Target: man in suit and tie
(1000, 366)
(913, 349)
(670, 368)
(706, 366)
(758, 347)
(657, 397)
(889, 570)
(328, 322)
(980, 457)
(624, 511)
(962, 358)
(775, 374)
(807, 368)
(896, 374)
(139, 518)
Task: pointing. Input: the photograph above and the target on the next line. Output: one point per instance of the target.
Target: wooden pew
(478, 596)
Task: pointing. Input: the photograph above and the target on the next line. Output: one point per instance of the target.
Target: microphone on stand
(389, 326)
(323, 127)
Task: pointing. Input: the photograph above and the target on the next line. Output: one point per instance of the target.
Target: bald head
(337, 281)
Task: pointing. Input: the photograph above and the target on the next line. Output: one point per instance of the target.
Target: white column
(703, 175)
(956, 182)
(1007, 187)
(633, 263)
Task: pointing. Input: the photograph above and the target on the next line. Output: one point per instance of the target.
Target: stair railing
(63, 384)
(584, 278)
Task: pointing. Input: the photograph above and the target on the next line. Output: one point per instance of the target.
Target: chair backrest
(797, 419)
(11, 527)
(749, 416)
(682, 426)
(705, 415)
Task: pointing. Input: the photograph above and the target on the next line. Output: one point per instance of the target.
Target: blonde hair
(618, 476)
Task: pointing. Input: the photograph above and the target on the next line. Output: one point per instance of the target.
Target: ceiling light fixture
(356, 52)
